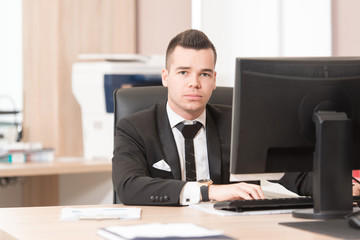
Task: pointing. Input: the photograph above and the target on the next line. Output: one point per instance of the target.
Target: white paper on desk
(100, 213)
(209, 208)
(276, 190)
(160, 231)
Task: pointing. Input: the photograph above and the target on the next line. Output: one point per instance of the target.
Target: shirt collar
(174, 118)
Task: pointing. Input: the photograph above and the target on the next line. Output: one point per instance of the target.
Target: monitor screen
(281, 113)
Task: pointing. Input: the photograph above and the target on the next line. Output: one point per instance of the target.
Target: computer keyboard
(268, 204)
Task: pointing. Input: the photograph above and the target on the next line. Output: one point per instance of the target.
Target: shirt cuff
(190, 194)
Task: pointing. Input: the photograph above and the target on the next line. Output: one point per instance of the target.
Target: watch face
(203, 180)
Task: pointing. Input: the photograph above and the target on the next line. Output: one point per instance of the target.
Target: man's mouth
(193, 97)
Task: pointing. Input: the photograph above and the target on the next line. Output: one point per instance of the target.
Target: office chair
(131, 100)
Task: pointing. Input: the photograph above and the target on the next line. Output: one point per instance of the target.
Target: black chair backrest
(131, 100)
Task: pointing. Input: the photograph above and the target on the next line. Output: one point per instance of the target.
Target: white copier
(94, 78)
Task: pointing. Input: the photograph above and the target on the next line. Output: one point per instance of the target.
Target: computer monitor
(300, 114)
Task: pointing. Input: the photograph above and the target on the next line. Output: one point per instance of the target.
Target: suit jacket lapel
(167, 141)
(214, 149)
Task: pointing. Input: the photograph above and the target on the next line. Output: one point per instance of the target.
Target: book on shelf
(12, 158)
(25, 152)
(41, 155)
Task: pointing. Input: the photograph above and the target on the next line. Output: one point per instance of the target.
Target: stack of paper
(160, 231)
(100, 213)
(275, 190)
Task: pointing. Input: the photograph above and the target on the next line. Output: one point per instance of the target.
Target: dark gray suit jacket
(145, 138)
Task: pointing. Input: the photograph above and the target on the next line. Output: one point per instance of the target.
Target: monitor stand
(332, 179)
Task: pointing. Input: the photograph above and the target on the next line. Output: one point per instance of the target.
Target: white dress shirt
(190, 193)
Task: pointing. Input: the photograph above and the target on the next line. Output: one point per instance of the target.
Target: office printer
(94, 78)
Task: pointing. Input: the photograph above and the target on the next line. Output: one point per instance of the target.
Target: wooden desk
(41, 179)
(44, 223)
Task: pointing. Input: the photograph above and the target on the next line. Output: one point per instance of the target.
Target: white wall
(263, 28)
(11, 54)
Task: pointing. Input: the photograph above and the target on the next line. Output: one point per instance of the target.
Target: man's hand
(235, 191)
(356, 189)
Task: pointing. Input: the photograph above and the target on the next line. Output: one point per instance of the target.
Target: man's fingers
(251, 191)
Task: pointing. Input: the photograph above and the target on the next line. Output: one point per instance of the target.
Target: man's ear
(164, 77)
(214, 80)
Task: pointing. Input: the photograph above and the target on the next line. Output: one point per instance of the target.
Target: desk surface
(59, 166)
(44, 223)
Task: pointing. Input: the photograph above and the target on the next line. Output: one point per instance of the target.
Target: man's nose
(194, 81)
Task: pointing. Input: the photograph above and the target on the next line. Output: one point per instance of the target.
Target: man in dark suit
(149, 165)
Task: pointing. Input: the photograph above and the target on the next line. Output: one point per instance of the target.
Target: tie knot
(189, 131)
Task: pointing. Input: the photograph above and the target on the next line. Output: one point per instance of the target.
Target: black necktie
(189, 132)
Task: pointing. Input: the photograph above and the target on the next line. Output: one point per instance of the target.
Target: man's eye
(205, 75)
(182, 72)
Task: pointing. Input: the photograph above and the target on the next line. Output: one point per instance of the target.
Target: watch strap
(204, 190)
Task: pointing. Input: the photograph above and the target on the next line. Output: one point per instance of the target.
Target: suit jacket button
(161, 199)
(157, 199)
(166, 198)
(152, 198)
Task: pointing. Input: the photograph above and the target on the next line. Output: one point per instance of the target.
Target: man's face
(190, 80)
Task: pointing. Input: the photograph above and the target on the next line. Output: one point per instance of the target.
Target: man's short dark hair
(193, 39)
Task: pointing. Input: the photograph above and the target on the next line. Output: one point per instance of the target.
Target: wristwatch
(204, 188)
